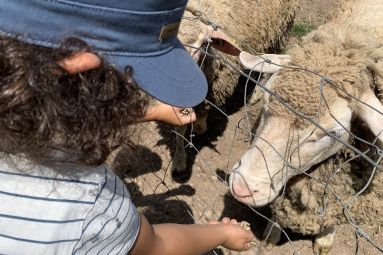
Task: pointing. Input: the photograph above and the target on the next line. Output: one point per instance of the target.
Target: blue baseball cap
(137, 33)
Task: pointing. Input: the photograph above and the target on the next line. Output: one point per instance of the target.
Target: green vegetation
(301, 29)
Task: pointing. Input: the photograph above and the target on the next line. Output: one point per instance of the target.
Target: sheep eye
(335, 133)
(317, 137)
(328, 135)
(312, 140)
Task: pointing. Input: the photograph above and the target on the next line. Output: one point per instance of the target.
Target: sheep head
(287, 141)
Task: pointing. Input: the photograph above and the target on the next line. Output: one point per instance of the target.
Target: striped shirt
(62, 208)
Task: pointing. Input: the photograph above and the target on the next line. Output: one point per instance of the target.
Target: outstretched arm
(193, 239)
(170, 114)
(85, 61)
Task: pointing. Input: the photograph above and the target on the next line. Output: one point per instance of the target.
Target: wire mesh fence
(211, 158)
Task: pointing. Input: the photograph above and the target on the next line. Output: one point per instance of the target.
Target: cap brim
(172, 77)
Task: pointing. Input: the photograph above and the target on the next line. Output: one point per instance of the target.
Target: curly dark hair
(42, 107)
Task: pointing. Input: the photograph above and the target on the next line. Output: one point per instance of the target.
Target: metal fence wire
(162, 199)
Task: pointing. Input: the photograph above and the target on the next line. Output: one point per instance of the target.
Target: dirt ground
(205, 195)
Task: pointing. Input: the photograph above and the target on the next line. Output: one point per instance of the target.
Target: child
(62, 109)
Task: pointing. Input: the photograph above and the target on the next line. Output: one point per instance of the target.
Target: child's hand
(170, 114)
(85, 61)
(237, 238)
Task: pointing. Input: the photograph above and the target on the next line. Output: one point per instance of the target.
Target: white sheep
(260, 24)
(348, 53)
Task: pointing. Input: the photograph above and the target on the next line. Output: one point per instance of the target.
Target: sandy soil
(205, 195)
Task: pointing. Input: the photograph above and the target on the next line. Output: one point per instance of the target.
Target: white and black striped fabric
(62, 208)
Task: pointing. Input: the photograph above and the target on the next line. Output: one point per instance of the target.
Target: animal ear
(222, 43)
(370, 110)
(267, 63)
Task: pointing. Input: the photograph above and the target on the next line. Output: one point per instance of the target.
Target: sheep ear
(372, 117)
(267, 63)
(222, 42)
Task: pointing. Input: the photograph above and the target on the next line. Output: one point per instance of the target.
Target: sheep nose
(241, 192)
(240, 188)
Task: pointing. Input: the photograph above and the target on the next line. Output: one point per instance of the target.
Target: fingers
(185, 112)
(247, 246)
(250, 236)
(239, 235)
(80, 62)
(179, 116)
(227, 220)
(170, 114)
(248, 240)
(184, 116)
